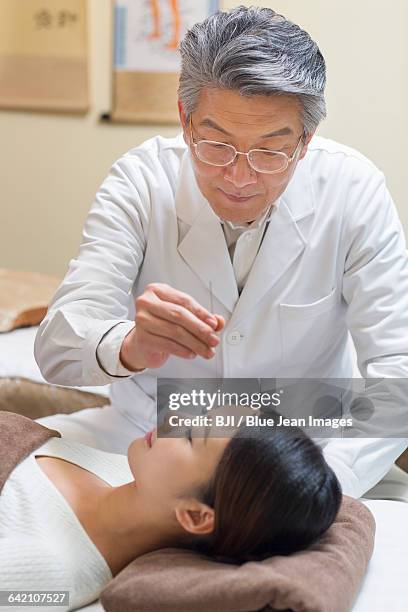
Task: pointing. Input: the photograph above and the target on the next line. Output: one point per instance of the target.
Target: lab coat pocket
(306, 328)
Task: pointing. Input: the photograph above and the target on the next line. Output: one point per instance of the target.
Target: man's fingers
(179, 316)
(220, 323)
(156, 343)
(169, 294)
(165, 329)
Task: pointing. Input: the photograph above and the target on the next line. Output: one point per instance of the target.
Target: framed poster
(43, 55)
(146, 58)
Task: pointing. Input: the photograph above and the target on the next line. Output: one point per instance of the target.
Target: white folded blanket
(17, 359)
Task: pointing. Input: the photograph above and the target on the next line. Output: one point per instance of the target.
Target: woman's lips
(236, 198)
(148, 437)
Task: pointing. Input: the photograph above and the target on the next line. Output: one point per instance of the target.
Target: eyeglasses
(222, 154)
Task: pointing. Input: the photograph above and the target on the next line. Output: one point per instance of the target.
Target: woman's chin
(134, 449)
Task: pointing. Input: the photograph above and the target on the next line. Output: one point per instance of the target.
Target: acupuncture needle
(212, 312)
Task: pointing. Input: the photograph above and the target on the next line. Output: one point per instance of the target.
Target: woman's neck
(121, 527)
(118, 520)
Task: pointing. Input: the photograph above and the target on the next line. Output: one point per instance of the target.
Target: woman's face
(170, 467)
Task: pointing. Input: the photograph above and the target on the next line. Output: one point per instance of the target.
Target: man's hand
(169, 322)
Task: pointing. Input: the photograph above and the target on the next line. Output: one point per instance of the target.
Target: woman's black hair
(272, 493)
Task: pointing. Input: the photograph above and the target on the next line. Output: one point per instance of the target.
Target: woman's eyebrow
(207, 122)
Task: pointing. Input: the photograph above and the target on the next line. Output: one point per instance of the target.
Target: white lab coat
(333, 261)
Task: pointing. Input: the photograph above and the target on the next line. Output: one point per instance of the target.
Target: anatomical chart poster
(147, 34)
(44, 55)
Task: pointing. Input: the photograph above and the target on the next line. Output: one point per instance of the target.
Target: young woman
(71, 516)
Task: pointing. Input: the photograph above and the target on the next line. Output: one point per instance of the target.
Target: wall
(53, 164)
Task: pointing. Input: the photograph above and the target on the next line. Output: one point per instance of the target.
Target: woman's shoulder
(27, 561)
(112, 467)
(42, 539)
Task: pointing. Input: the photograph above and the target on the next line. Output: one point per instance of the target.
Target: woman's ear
(195, 517)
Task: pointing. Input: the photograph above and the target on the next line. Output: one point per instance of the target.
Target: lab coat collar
(205, 250)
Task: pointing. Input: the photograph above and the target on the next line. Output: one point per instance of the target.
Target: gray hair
(254, 51)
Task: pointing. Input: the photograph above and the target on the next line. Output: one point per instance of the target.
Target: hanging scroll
(43, 55)
(146, 58)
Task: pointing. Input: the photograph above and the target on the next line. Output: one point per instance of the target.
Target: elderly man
(244, 247)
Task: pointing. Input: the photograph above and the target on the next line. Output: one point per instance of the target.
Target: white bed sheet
(17, 359)
(385, 586)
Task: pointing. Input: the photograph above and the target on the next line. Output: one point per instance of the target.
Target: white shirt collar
(259, 221)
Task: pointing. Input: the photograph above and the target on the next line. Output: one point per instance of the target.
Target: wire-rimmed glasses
(222, 154)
